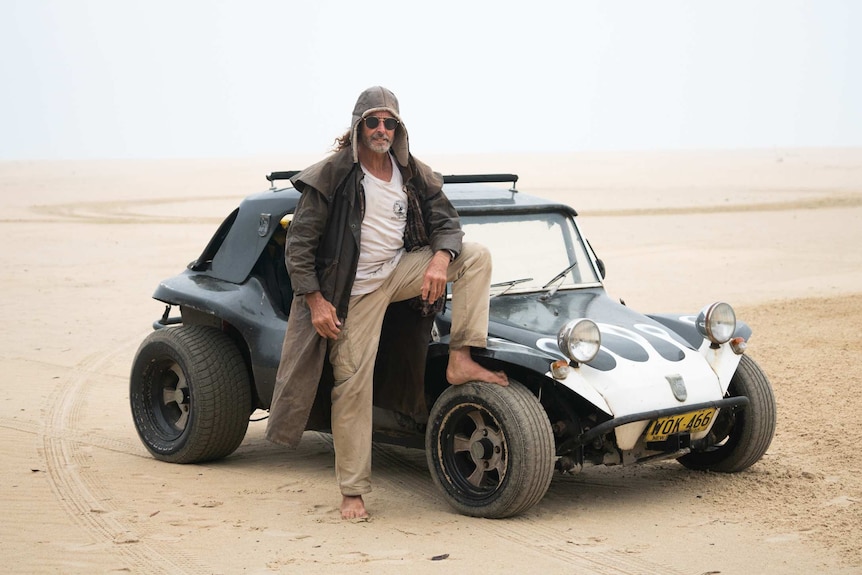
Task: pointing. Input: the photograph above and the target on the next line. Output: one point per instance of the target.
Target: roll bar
(449, 179)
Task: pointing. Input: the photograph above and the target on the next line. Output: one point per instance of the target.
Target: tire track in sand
(76, 484)
(843, 200)
(131, 211)
(403, 471)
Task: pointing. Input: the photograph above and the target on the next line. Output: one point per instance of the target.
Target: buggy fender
(501, 350)
(721, 358)
(684, 326)
(248, 310)
(532, 359)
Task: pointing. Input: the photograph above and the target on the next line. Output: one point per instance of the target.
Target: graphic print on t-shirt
(399, 210)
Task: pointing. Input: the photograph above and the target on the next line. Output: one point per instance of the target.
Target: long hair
(342, 141)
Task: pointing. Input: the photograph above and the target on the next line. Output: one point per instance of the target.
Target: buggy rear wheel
(190, 394)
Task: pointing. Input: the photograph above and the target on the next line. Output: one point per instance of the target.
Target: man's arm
(323, 315)
(303, 239)
(300, 252)
(441, 220)
(444, 227)
(434, 282)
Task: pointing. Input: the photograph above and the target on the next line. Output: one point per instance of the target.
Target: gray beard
(380, 146)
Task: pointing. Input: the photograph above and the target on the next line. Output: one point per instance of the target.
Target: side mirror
(599, 263)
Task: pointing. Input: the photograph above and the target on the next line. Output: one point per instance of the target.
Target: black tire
(738, 439)
(190, 394)
(490, 449)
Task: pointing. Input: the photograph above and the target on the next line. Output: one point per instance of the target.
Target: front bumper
(646, 416)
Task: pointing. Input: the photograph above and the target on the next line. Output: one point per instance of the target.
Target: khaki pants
(352, 354)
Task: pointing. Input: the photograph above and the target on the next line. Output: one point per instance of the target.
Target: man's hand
(434, 283)
(323, 315)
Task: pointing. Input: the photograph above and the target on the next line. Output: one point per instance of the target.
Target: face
(377, 139)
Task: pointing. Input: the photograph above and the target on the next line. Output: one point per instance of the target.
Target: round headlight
(580, 340)
(717, 322)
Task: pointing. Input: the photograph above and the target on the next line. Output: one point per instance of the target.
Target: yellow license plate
(692, 422)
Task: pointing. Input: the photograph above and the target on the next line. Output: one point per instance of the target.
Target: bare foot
(353, 507)
(462, 368)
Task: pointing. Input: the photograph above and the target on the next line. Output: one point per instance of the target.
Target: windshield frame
(573, 242)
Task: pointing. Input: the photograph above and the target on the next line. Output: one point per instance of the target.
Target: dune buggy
(593, 381)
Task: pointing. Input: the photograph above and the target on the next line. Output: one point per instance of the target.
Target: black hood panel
(526, 319)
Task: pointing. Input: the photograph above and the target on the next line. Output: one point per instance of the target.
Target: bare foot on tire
(462, 368)
(353, 507)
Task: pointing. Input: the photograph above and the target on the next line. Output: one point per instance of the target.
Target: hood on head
(379, 99)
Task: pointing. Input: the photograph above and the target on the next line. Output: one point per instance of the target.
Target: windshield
(532, 252)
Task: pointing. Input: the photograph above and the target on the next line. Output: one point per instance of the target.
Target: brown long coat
(322, 251)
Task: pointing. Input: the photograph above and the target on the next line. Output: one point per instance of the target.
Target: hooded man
(372, 227)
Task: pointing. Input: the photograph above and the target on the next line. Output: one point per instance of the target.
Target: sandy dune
(776, 233)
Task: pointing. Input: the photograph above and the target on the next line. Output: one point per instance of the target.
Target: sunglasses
(371, 122)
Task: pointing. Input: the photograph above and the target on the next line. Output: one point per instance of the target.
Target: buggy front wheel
(738, 439)
(490, 449)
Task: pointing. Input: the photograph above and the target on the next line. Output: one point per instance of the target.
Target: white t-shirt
(382, 240)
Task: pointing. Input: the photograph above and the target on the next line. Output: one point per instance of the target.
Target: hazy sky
(202, 78)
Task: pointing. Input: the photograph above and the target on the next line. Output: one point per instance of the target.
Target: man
(372, 227)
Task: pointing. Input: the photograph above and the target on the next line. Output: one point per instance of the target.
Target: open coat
(321, 253)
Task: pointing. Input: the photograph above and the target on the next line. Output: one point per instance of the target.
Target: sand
(777, 233)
